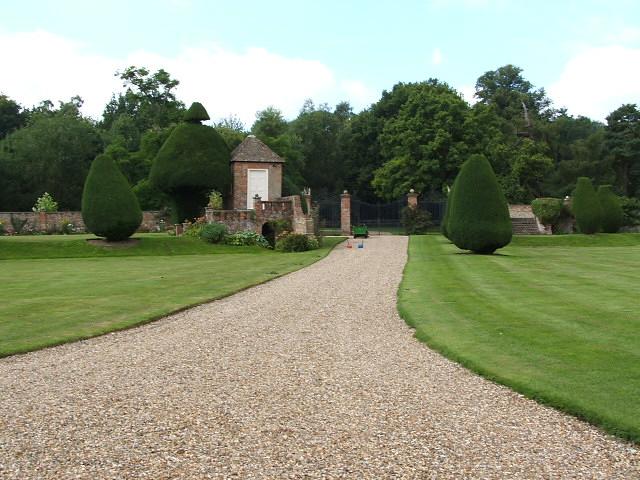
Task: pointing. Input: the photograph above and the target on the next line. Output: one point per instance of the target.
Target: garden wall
(40, 222)
(265, 211)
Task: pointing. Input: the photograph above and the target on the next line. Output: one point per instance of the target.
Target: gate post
(345, 213)
(412, 199)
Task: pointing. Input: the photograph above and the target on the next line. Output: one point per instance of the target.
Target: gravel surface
(312, 375)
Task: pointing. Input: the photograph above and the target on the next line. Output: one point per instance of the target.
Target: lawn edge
(630, 435)
(158, 317)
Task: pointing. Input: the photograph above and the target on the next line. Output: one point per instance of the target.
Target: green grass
(555, 318)
(83, 291)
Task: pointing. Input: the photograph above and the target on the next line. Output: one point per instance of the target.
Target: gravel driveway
(312, 375)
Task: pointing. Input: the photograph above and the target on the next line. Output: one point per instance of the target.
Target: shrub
(2, 229)
(586, 206)
(110, 209)
(547, 210)
(612, 213)
(630, 211)
(45, 203)
(213, 232)
(296, 242)
(193, 229)
(415, 221)
(193, 160)
(215, 200)
(18, 224)
(66, 227)
(478, 213)
(246, 238)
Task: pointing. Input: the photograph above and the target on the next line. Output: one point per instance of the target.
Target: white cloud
(436, 56)
(47, 66)
(598, 80)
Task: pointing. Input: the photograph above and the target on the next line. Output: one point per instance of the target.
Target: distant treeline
(416, 136)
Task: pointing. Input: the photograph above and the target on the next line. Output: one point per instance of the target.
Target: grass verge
(49, 301)
(555, 318)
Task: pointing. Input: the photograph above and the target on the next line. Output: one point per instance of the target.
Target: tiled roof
(253, 150)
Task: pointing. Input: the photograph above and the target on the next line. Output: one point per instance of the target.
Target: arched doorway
(269, 233)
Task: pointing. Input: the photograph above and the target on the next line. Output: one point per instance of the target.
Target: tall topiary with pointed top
(478, 212)
(586, 206)
(193, 161)
(110, 209)
(612, 213)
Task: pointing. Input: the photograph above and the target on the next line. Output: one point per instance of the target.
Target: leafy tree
(623, 143)
(612, 213)
(193, 161)
(423, 145)
(478, 213)
(12, 116)
(271, 128)
(149, 99)
(586, 206)
(506, 90)
(52, 153)
(109, 207)
(319, 130)
(232, 130)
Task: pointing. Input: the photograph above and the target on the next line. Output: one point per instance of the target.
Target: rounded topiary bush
(586, 206)
(193, 161)
(110, 209)
(612, 214)
(547, 210)
(478, 212)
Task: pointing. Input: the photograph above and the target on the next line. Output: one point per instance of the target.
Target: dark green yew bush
(478, 212)
(586, 207)
(612, 213)
(193, 161)
(110, 209)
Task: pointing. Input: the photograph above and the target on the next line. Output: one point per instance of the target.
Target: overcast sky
(237, 57)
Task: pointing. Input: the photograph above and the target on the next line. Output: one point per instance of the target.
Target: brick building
(255, 170)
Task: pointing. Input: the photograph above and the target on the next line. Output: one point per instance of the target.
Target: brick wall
(239, 173)
(52, 222)
(264, 211)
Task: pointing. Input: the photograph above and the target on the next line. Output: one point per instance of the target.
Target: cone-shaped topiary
(196, 113)
(193, 161)
(586, 206)
(478, 212)
(612, 213)
(110, 209)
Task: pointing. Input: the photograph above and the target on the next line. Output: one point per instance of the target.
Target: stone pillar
(345, 213)
(257, 208)
(412, 199)
(42, 220)
(307, 199)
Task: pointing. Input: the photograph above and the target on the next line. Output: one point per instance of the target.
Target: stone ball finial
(345, 192)
(412, 191)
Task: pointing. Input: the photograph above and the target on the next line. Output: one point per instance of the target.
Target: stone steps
(525, 226)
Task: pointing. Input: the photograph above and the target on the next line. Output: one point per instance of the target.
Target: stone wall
(239, 174)
(40, 222)
(289, 208)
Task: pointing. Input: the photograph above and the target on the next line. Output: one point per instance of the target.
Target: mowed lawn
(89, 290)
(555, 318)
